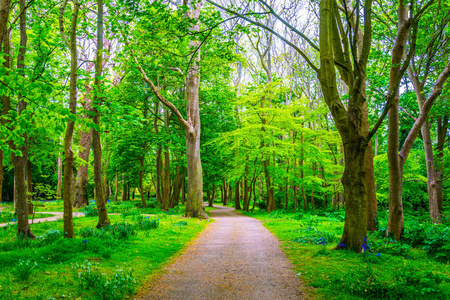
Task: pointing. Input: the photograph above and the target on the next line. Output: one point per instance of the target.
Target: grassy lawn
(89, 266)
(417, 268)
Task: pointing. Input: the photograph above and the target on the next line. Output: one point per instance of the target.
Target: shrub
(118, 230)
(367, 283)
(116, 287)
(311, 235)
(90, 210)
(24, 269)
(123, 230)
(51, 236)
(180, 223)
(146, 223)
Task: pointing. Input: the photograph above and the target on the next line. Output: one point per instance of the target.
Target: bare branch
(305, 57)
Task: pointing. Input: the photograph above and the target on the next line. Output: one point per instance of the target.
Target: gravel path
(234, 258)
(57, 216)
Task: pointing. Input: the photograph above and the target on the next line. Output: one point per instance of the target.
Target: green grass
(388, 271)
(57, 262)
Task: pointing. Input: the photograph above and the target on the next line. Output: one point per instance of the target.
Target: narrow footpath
(57, 216)
(236, 257)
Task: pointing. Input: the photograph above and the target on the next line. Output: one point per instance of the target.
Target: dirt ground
(234, 258)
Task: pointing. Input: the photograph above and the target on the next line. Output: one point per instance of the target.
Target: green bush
(90, 210)
(118, 230)
(117, 286)
(313, 236)
(24, 269)
(50, 236)
(146, 223)
(406, 283)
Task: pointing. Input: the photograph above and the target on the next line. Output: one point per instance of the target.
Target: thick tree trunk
(225, 194)
(68, 192)
(237, 198)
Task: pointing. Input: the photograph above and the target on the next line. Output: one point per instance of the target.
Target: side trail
(236, 257)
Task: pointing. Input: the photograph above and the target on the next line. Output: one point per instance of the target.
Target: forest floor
(234, 258)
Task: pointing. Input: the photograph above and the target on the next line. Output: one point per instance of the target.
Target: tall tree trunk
(194, 203)
(20, 162)
(396, 216)
(141, 179)
(442, 133)
(103, 219)
(237, 199)
(59, 180)
(124, 189)
(431, 174)
(428, 149)
(225, 194)
(68, 139)
(246, 203)
(6, 100)
(166, 186)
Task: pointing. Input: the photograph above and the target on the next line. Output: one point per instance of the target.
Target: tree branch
(305, 57)
(289, 26)
(163, 100)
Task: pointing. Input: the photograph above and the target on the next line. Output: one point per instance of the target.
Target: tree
(68, 139)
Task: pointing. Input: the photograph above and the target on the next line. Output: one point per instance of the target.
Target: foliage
(90, 210)
(146, 223)
(117, 286)
(386, 270)
(23, 269)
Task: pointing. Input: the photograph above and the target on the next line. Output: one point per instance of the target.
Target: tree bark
(68, 139)
(166, 186)
(237, 199)
(442, 133)
(103, 219)
(59, 180)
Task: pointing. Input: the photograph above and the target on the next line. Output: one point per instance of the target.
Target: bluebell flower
(378, 255)
(85, 241)
(148, 217)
